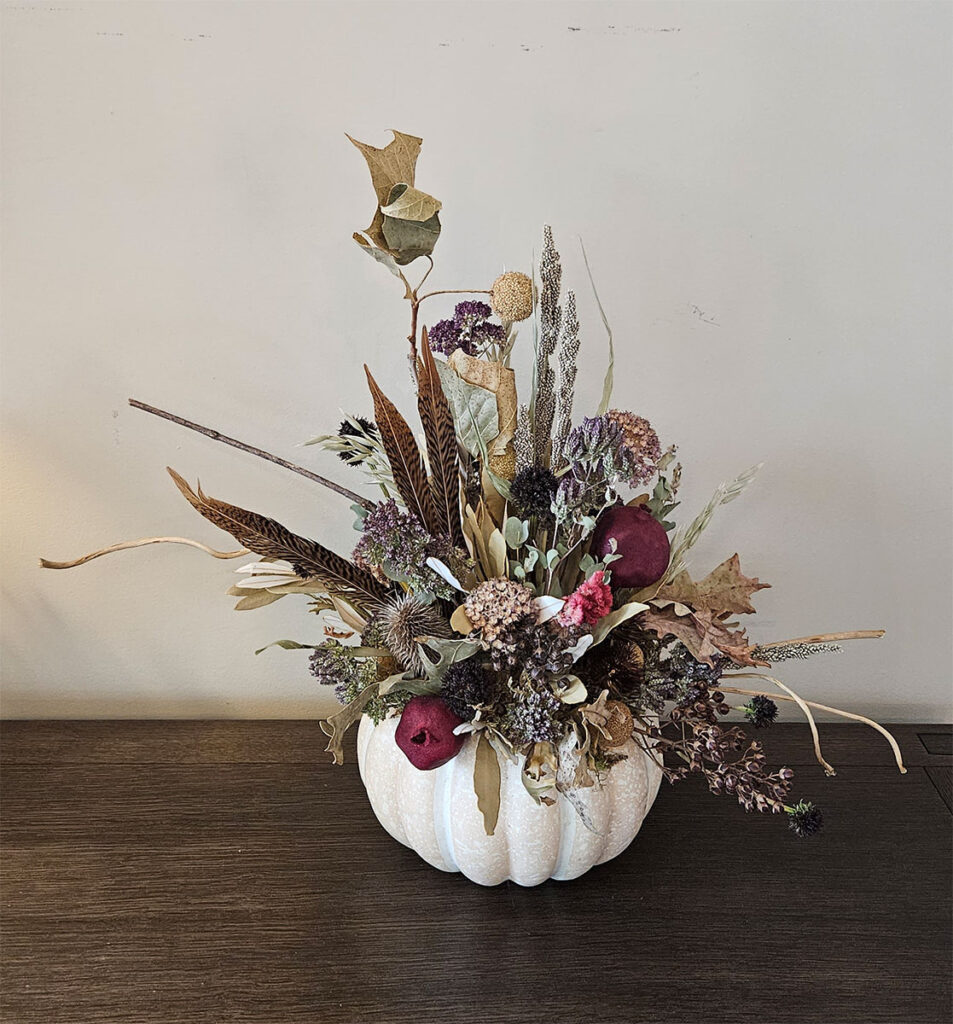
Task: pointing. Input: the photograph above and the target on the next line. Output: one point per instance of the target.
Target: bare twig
(216, 436)
(826, 638)
(820, 707)
(125, 545)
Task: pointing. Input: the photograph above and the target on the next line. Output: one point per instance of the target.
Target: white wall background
(764, 191)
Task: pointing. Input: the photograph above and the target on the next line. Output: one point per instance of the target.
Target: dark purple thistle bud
(761, 711)
(805, 819)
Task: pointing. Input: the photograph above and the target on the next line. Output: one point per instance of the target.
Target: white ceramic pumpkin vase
(435, 813)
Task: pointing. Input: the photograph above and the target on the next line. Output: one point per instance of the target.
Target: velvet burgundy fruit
(641, 540)
(425, 733)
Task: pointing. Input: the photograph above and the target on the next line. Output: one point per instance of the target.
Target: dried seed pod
(619, 724)
(511, 297)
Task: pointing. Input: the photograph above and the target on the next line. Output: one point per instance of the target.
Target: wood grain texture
(217, 872)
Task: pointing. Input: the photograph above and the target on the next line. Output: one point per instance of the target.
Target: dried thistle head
(511, 297)
(404, 620)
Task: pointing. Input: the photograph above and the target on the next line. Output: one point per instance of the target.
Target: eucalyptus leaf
(516, 532)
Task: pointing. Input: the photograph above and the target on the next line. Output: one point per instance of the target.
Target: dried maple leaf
(724, 590)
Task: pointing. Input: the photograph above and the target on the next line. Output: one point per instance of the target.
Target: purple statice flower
(469, 330)
(445, 339)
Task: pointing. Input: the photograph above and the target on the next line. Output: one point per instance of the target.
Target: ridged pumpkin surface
(435, 813)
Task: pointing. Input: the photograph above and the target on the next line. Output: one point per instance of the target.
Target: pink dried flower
(588, 603)
(641, 441)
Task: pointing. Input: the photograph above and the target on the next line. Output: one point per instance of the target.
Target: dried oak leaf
(724, 590)
(702, 632)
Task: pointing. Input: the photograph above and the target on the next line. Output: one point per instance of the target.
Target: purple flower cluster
(468, 330)
(395, 546)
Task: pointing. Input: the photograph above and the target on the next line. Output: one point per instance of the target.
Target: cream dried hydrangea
(498, 605)
(511, 297)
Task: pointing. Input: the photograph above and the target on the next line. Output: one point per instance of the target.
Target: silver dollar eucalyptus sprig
(566, 381)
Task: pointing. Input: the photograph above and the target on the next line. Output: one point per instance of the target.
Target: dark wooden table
(218, 872)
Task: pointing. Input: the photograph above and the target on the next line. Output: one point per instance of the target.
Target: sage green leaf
(449, 652)
(609, 622)
(409, 239)
(475, 413)
(404, 681)
(337, 725)
(408, 203)
(288, 645)
(486, 783)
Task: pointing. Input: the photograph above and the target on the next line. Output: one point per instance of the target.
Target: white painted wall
(764, 190)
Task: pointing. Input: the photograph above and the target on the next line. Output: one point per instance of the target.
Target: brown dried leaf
(723, 590)
(393, 164)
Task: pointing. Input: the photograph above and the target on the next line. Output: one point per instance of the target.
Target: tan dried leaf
(392, 165)
(725, 589)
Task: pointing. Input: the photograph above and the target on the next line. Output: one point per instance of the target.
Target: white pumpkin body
(435, 813)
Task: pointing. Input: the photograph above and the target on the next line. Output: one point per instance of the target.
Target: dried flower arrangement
(505, 583)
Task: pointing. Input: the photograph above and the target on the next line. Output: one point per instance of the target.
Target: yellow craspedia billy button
(512, 296)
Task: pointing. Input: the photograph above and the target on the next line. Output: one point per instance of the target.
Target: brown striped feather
(270, 539)
(441, 438)
(406, 463)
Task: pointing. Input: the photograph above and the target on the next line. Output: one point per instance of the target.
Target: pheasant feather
(441, 439)
(270, 539)
(407, 465)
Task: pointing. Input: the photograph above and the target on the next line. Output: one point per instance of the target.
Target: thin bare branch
(241, 446)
